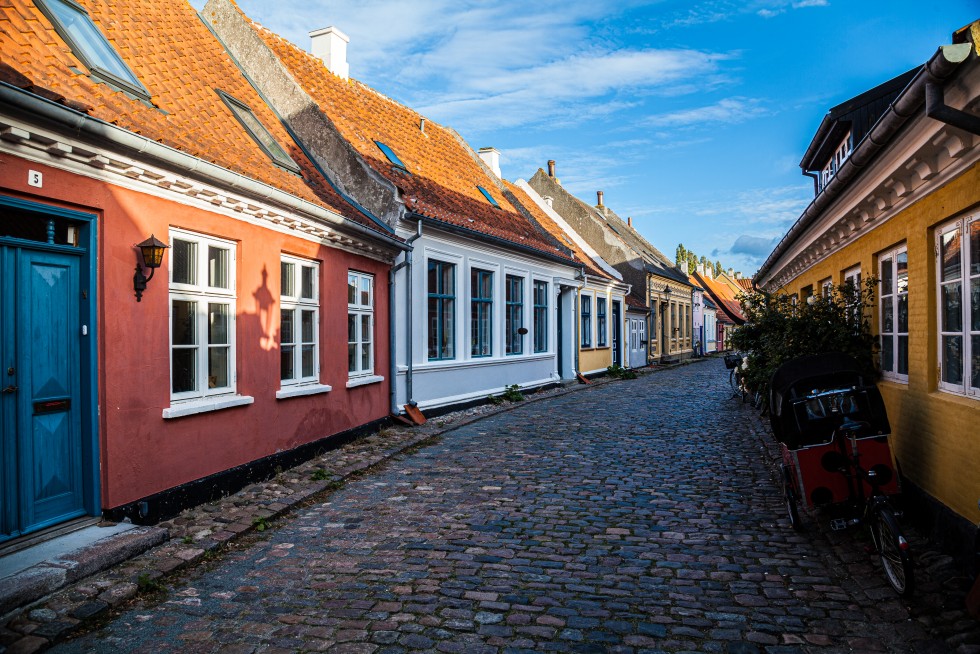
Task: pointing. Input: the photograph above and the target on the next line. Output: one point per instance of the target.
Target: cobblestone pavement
(635, 516)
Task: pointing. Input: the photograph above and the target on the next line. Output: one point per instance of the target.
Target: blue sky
(692, 117)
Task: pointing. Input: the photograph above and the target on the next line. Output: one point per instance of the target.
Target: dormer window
(391, 156)
(489, 197)
(841, 154)
(75, 27)
(258, 132)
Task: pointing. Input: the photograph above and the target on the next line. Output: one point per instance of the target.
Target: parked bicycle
(733, 362)
(833, 432)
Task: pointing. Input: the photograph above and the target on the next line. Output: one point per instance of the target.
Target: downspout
(816, 181)
(393, 359)
(936, 106)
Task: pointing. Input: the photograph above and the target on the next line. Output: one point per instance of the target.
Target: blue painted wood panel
(41, 421)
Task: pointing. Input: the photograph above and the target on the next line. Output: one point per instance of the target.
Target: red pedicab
(832, 427)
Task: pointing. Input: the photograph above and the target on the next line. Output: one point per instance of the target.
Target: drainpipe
(816, 181)
(576, 333)
(393, 365)
(937, 108)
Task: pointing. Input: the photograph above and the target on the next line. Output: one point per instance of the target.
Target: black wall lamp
(152, 250)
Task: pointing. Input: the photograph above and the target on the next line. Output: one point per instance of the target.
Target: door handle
(10, 389)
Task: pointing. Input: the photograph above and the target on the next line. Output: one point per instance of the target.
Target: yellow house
(897, 196)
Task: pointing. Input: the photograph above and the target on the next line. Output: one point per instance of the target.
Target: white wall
(465, 377)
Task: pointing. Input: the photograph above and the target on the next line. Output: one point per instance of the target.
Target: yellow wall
(598, 358)
(935, 434)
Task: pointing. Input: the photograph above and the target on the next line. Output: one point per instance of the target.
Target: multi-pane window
(202, 316)
(893, 313)
(826, 288)
(600, 322)
(841, 154)
(586, 323)
(87, 43)
(481, 313)
(360, 324)
(514, 329)
(441, 283)
(852, 279)
(299, 321)
(958, 296)
(540, 316)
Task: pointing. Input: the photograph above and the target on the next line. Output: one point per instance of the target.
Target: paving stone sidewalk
(612, 518)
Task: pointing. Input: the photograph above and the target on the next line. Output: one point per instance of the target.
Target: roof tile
(443, 172)
(164, 47)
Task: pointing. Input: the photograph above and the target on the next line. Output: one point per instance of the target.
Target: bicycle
(873, 508)
(733, 362)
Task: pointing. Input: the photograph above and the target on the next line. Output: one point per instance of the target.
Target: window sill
(206, 405)
(363, 381)
(300, 390)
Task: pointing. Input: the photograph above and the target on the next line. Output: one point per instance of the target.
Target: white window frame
(363, 312)
(602, 329)
(296, 302)
(585, 341)
(966, 333)
(894, 293)
(853, 277)
(202, 293)
(826, 287)
(841, 154)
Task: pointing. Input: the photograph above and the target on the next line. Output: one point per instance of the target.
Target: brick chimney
(551, 168)
(491, 157)
(330, 45)
(599, 197)
(629, 220)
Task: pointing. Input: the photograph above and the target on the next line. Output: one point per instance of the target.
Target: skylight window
(74, 25)
(391, 156)
(258, 132)
(489, 197)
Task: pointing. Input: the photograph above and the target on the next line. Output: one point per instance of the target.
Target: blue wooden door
(40, 413)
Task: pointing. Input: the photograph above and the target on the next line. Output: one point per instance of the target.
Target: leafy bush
(777, 330)
(513, 393)
(619, 372)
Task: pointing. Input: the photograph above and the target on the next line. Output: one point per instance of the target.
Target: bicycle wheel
(789, 495)
(893, 549)
(733, 381)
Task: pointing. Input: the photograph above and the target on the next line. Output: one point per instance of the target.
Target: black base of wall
(167, 504)
(950, 532)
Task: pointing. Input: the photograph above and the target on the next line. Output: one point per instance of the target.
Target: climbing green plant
(777, 330)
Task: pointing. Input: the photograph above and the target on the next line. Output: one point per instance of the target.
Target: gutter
(103, 133)
(939, 68)
(393, 361)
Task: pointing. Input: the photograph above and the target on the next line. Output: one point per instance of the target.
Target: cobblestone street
(629, 517)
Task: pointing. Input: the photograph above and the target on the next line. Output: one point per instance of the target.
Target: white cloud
(729, 110)
(810, 3)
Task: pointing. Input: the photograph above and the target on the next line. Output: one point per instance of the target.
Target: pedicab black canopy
(809, 397)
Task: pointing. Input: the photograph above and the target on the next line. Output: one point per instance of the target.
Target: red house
(123, 120)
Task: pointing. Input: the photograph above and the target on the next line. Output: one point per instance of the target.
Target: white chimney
(330, 45)
(491, 157)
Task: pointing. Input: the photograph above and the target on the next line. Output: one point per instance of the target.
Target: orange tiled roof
(181, 64)
(745, 283)
(443, 173)
(723, 295)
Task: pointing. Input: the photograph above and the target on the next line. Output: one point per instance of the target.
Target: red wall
(141, 453)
